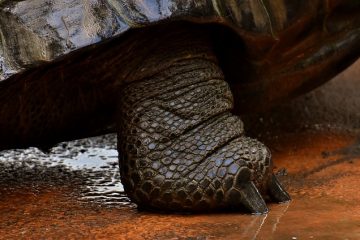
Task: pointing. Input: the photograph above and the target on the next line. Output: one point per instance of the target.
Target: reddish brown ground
(323, 178)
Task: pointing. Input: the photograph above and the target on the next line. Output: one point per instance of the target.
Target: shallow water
(74, 192)
(90, 163)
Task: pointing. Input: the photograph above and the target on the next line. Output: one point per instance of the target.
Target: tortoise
(161, 75)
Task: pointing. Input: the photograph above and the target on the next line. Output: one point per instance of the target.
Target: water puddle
(75, 191)
(92, 162)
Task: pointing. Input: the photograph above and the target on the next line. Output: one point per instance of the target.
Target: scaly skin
(180, 147)
(182, 150)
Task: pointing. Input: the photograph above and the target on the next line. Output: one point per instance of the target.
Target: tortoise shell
(268, 49)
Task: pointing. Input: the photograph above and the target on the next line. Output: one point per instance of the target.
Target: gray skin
(161, 78)
(180, 147)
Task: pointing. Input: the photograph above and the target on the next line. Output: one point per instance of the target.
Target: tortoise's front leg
(182, 150)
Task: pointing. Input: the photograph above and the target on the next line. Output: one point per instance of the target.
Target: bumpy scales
(158, 75)
(182, 150)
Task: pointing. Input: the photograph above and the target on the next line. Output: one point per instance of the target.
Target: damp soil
(74, 192)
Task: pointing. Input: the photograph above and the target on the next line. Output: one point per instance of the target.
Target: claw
(252, 199)
(276, 192)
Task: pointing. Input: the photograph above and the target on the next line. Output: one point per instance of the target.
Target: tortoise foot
(276, 192)
(181, 149)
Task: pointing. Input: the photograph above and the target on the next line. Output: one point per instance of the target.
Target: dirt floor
(74, 192)
(320, 170)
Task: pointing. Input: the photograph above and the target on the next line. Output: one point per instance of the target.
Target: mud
(61, 196)
(74, 191)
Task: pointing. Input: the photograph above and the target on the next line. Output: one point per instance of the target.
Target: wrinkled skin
(277, 49)
(166, 89)
(181, 149)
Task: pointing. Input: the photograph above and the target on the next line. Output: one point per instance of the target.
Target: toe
(276, 192)
(252, 199)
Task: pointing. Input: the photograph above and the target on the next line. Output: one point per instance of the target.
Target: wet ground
(78, 195)
(74, 192)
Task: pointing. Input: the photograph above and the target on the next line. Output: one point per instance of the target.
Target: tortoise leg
(181, 149)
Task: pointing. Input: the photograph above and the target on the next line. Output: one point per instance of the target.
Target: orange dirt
(323, 176)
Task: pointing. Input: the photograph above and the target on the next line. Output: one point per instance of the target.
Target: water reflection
(260, 225)
(91, 167)
(91, 163)
(324, 209)
(279, 214)
(254, 227)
